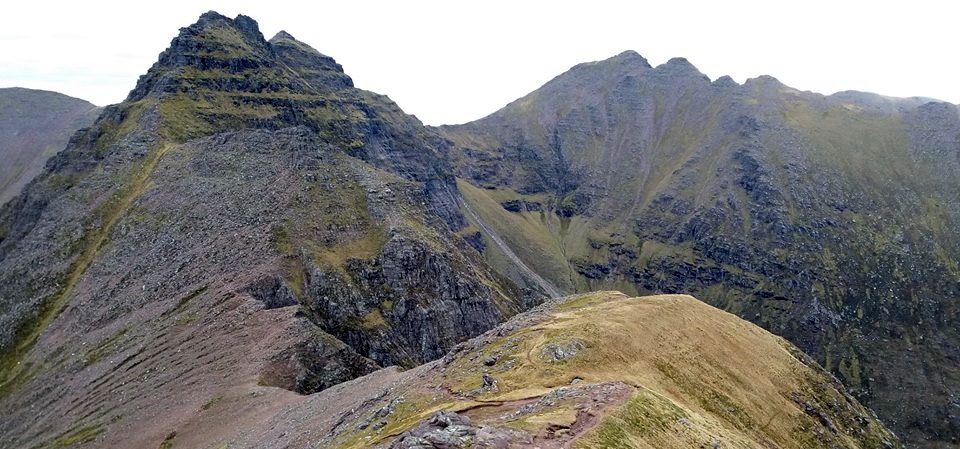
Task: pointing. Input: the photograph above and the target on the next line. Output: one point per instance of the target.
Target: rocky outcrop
(406, 306)
(521, 206)
(317, 362)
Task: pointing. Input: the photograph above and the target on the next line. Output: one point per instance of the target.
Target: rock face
(35, 125)
(246, 217)
(832, 221)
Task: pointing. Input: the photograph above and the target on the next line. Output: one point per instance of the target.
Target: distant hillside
(833, 221)
(34, 125)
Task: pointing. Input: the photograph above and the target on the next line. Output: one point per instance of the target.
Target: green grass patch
(212, 402)
(281, 240)
(644, 416)
(167, 442)
(107, 347)
(82, 435)
(707, 397)
(374, 320)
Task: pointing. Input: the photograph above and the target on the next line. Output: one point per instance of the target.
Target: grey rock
(564, 350)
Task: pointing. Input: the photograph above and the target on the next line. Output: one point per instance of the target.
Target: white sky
(455, 61)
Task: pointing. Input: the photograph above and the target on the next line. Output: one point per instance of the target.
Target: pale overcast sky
(455, 61)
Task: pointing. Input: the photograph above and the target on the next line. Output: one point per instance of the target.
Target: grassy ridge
(693, 375)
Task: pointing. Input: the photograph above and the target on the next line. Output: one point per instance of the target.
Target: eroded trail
(544, 284)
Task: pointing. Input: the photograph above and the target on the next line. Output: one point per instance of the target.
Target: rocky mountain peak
(319, 210)
(211, 16)
(679, 62)
(282, 35)
(764, 81)
(242, 23)
(214, 42)
(714, 175)
(725, 81)
(632, 58)
(680, 68)
(248, 26)
(319, 68)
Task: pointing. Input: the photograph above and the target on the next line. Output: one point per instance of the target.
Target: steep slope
(832, 221)
(594, 371)
(246, 217)
(35, 125)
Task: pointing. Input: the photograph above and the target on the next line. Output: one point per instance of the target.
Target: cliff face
(35, 125)
(832, 221)
(245, 217)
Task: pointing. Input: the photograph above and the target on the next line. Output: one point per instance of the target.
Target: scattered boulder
(563, 350)
(272, 292)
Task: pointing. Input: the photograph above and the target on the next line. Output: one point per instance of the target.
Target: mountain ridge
(248, 234)
(634, 57)
(829, 220)
(245, 218)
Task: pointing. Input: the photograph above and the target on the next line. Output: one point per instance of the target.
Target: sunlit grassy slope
(689, 376)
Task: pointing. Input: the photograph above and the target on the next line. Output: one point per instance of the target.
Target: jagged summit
(214, 42)
(676, 69)
(221, 74)
(725, 81)
(224, 54)
(282, 35)
(631, 57)
(678, 61)
(317, 67)
(245, 24)
(763, 80)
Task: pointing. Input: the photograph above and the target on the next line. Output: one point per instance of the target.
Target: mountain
(251, 252)
(245, 217)
(35, 125)
(833, 221)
